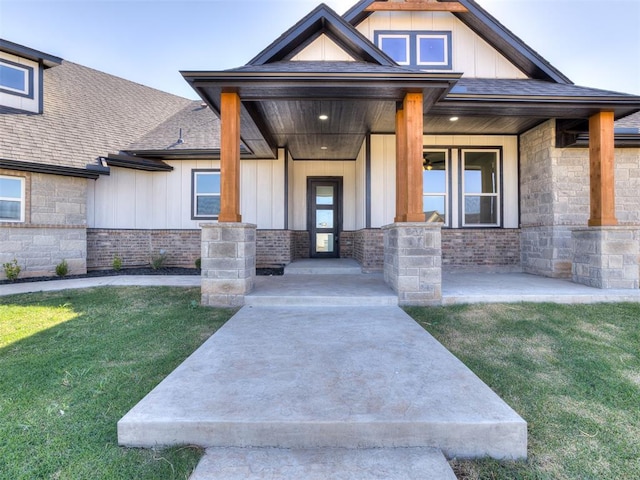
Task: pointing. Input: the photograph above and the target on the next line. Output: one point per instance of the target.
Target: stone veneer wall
(54, 228)
(554, 193)
(137, 247)
(481, 249)
(555, 200)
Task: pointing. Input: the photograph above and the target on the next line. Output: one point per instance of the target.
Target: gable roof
(493, 32)
(87, 114)
(322, 20)
(25, 52)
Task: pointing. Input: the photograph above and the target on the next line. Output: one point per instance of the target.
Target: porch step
(340, 290)
(330, 377)
(323, 464)
(323, 266)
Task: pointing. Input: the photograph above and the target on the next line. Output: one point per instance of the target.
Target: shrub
(157, 261)
(198, 263)
(62, 268)
(117, 263)
(11, 270)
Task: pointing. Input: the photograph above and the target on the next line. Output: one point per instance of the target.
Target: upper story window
(206, 194)
(16, 79)
(11, 199)
(427, 50)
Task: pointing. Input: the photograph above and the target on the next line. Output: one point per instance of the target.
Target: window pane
(434, 176)
(480, 210)
(324, 218)
(324, 242)
(13, 78)
(11, 188)
(434, 208)
(9, 210)
(324, 195)
(432, 50)
(207, 183)
(396, 47)
(480, 172)
(208, 206)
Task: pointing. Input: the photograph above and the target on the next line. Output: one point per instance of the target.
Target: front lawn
(73, 363)
(572, 372)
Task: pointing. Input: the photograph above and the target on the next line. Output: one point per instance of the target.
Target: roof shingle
(87, 114)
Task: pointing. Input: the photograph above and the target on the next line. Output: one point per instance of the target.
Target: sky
(595, 43)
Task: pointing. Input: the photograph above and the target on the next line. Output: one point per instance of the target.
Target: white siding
(300, 171)
(162, 200)
(16, 101)
(383, 152)
(324, 49)
(361, 189)
(471, 55)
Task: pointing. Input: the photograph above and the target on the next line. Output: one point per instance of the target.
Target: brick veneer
(496, 249)
(274, 247)
(136, 247)
(368, 249)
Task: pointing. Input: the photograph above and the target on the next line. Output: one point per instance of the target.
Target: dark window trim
(30, 91)
(460, 195)
(413, 47)
(499, 194)
(193, 193)
(449, 183)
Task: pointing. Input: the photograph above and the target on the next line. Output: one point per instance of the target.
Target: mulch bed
(266, 271)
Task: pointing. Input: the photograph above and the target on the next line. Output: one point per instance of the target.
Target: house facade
(427, 115)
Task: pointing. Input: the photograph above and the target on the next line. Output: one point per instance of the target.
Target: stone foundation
(412, 262)
(607, 257)
(136, 248)
(547, 251)
(40, 248)
(228, 263)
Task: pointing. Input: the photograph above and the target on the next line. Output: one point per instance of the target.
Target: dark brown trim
(136, 163)
(48, 169)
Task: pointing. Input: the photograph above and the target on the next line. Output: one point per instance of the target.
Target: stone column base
(606, 257)
(413, 262)
(228, 263)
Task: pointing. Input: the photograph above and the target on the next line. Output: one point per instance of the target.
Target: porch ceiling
(283, 109)
(282, 103)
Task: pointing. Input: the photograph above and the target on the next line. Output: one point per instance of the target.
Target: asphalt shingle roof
(527, 87)
(200, 131)
(322, 67)
(87, 114)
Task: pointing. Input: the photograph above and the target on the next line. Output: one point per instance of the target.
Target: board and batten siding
(323, 49)
(134, 199)
(353, 186)
(471, 55)
(383, 176)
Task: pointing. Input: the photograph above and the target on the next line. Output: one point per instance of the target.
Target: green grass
(73, 363)
(572, 372)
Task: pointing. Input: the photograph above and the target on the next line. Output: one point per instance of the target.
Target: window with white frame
(11, 199)
(480, 188)
(426, 50)
(206, 194)
(462, 186)
(16, 79)
(435, 181)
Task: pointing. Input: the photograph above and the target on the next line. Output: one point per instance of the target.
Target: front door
(324, 200)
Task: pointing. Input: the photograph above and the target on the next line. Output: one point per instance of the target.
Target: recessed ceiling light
(454, 119)
(324, 117)
(324, 148)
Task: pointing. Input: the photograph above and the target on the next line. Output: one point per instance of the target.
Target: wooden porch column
(601, 159)
(413, 121)
(229, 158)
(401, 165)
